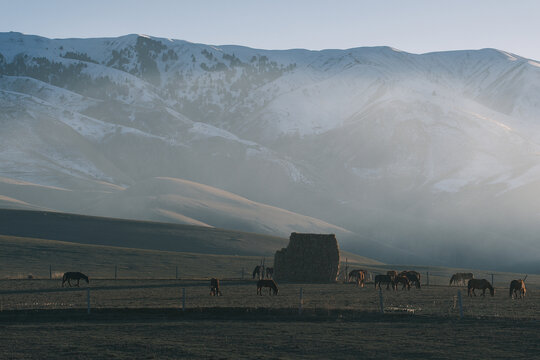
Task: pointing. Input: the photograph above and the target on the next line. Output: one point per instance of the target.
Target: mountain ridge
(334, 134)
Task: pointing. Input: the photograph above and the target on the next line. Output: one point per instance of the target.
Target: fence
(303, 299)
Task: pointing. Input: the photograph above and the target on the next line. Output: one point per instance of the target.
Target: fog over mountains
(431, 158)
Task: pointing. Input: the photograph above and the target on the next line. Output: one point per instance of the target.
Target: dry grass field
(139, 315)
(440, 301)
(338, 321)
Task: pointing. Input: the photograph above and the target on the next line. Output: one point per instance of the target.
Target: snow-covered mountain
(435, 154)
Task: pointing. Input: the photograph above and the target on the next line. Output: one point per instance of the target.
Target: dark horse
(269, 272)
(385, 279)
(73, 276)
(271, 284)
(481, 284)
(517, 286)
(257, 271)
(214, 287)
(413, 276)
(402, 279)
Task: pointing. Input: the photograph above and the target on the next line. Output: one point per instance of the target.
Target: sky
(416, 26)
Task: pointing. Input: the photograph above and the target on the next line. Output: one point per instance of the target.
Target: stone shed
(308, 258)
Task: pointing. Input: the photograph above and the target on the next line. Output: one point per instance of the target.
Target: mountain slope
(410, 151)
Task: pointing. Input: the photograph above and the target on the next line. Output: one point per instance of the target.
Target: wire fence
(432, 300)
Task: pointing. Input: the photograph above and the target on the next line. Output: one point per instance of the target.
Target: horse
(460, 278)
(384, 279)
(214, 287)
(413, 276)
(402, 279)
(269, 283)
(269, 272)
(392, 273)
(359, 275)
(74, 276)
(517, 286)
(257, 271)
(481, 284)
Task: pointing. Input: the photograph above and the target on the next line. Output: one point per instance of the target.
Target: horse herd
(410, 277)
(392, 279)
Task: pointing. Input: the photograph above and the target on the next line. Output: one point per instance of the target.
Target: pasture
(143, 319)
(440, 301)
(139, 315)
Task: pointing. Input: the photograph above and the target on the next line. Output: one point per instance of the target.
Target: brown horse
(392, 273)
(413, 276)
(359, 276)
(517, 286)
(460, 278)
(402, 279)
(214, 287)
(481, 284)
(74, 276)
(271, 284)
(385, 279)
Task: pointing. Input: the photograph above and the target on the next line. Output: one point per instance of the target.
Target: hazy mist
(427, 159)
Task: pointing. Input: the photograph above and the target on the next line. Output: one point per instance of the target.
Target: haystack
(308, 258)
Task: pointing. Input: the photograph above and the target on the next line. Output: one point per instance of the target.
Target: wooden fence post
(50, 272)
(460, 304)
(427, 278)
(88, 300)
(301, 301)
(176, 273)
(115, 272)
(347, 269)
(492, 281)
(381, 303)
(242, 273)
(183, 299)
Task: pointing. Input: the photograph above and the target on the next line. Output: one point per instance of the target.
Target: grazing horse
(460, 278)
(413, 276)
(402, 279)
(257, 271)
(392, 273)
(481, 284)
(517, 286)
(74, 276)
(385, 279)
(214, 287)
(359, 276)
(269, 283)
(269, 272)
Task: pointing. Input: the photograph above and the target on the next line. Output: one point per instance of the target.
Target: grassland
(139, 316)
(23, 257)
(338, 321)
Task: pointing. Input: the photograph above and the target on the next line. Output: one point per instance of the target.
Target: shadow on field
(235, 314)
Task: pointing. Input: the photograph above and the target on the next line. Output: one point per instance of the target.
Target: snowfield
(375, 141)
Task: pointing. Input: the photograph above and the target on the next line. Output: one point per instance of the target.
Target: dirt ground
(338, 321)
(272, 337)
